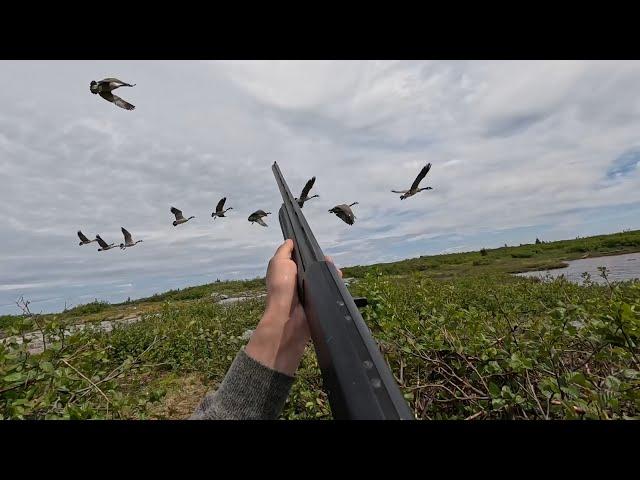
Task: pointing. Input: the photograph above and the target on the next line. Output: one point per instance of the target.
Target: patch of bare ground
(182, 398)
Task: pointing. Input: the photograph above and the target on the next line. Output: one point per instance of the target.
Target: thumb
(285, 250)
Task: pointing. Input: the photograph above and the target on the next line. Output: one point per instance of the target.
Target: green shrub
(510, 348)
(576, 249)
(94, 307)
(197, 337)
(8, 321)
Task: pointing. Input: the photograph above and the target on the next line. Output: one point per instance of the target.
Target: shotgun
(357, 379)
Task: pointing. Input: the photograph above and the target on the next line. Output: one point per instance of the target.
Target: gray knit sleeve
(249, 391)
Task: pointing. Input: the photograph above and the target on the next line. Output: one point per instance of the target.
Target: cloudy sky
(519, 150)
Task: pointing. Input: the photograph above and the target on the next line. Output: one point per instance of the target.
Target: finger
(285, 250)
(329, 259)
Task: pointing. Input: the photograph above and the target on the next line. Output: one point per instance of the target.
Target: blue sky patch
(625, 164)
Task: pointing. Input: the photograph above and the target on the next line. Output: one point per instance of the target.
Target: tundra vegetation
(464, 338)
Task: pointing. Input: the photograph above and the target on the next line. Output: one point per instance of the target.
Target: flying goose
(106, 86)
(219, 209)
(414, 186)
(257, 217)
(128, 241)
(103, 244)
(179, 217)
(344, 212)
(305, 191)
(84, 240)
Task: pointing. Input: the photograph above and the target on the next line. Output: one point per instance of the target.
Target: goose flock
(105, 87)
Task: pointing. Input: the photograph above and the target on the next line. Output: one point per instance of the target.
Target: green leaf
(46, 367)
(527, 363)
(14, 377)
(571, 391)
(578, 378)
(612, 383)
(626, 312)
(494, 390)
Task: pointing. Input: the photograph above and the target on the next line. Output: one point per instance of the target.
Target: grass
(464, 339)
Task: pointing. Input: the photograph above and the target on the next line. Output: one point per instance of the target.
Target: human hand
(282, 334)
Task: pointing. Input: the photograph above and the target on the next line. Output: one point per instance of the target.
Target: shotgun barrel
(357, 379)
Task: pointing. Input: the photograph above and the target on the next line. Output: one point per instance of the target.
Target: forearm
(277, 342)
(259, 379)
(258, 382)
(249, 391)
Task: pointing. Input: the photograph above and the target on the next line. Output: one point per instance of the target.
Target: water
(619, 267)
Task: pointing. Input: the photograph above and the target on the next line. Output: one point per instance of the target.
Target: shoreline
(565, 264)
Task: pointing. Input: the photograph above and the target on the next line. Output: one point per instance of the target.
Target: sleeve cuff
(249, 391)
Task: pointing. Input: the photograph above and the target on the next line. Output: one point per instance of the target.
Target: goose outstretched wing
(177, 213)
(127, 235)
(421, 175)
(110, 97)
(101, 242)
(307, 188)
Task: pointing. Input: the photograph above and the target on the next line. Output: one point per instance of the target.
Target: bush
(8, 321)
(576, 249)
(197, 337)
(94, 307)
(510, 348)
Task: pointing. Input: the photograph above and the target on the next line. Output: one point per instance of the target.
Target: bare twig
(628, 341)
(114, 373)
(8, 389)
(24, 306)
(555, 374)
(453, 373)
(87, 379)
(546, 417)
(475, 415)
(475, 370)
(506, 317)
